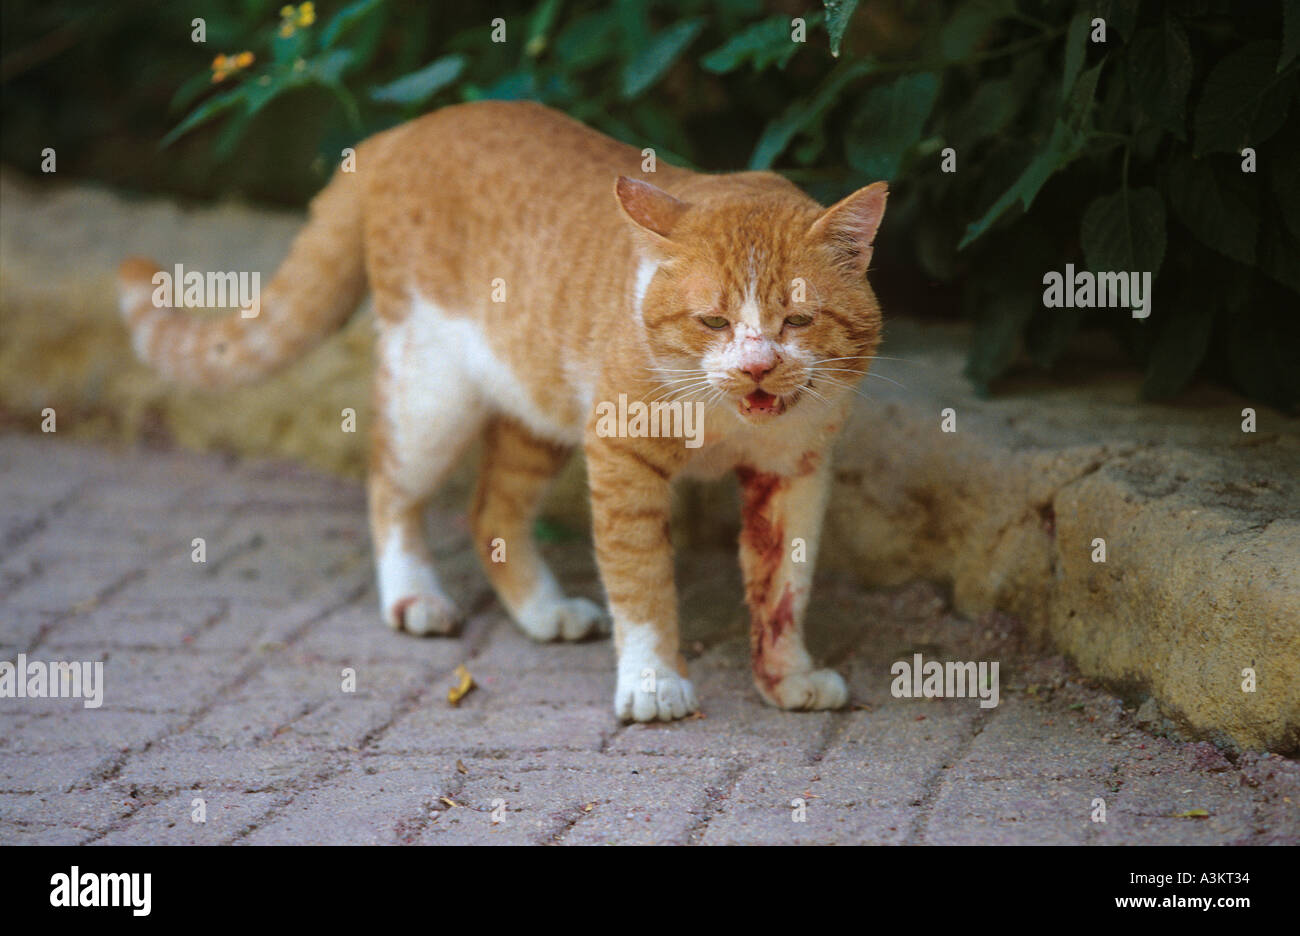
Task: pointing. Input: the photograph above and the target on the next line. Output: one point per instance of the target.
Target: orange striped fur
(528, 274)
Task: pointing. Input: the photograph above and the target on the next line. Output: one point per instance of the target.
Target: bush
(1121, 155)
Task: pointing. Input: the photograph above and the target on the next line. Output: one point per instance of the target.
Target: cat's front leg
(781, 526)
(631, 503)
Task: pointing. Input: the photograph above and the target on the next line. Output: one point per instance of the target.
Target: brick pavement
(223, 682)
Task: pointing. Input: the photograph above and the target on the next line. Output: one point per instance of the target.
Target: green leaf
(346, 18)
(999, 321)
(1160, 74)
(1067, 141)
(346, 101)
(285, 50)
(1125, 232)
(1076, 47)
(1180, 346)
(518, 85)
(889, 122)
(419, 86)
(255, 95)
(838, 14)
(205, 112)
(539, 26)
(190, 90)
(1215, 213)
(1120, 15)
(1261, 346)
(328, 67)
(987, 114)
(1290, 33)
(588, 40)
(779, 132)
(658, 55)
(1283, 178)
(964, 30)
(1050, 333)
(1244, 101)
(761, 45)
(1279, 256)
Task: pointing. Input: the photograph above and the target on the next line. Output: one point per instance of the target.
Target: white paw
(558, 618)
(653, 695)
(422, 615)
(818, 689)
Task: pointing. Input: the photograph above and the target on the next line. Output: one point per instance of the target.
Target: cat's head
(756, 300)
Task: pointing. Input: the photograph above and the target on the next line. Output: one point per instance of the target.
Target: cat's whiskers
(672, 384)
(673, 394)
(839, 383)
(862, 357)
(808, 388)
(675, 382)
(849, 370)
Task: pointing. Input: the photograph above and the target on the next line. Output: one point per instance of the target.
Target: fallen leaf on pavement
(463, 686)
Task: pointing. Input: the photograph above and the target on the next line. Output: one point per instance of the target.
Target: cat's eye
(714, 321)
(799, 321)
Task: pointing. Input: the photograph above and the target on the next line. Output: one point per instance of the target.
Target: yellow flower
(291, 18)
(223, 66)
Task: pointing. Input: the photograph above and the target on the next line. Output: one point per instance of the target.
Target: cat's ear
(849, 226)
(650, 208)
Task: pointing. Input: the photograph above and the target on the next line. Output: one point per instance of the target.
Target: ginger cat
(524, 271)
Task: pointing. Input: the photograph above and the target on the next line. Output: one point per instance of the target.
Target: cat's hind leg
(426, 414)
(517, 468)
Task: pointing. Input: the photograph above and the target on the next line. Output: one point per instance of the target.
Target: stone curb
(1200, 523)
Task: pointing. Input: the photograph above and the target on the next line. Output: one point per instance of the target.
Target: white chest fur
(781, 446)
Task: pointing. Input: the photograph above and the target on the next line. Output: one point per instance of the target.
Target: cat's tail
(312, 295)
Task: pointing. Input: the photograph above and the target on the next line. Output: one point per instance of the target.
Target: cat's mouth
(761, 404)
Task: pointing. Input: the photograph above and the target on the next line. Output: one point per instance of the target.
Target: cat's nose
(761, 368)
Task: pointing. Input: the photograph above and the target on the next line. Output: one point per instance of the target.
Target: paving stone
(12, 834)
(20, 627)
(184, 766)
(71, 726)
(579, 798)
(820, 824)
(43, 773)
(165, 680)
(93, 811)
(1025, 739)
(381, 806)
(1034, 810)
(478, 726)
(223, 681)
(171, 821)
(130, 623)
